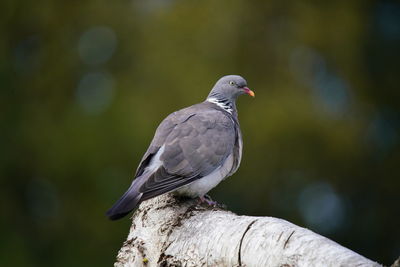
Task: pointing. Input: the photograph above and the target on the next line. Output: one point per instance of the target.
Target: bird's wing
(163, 130)
(191, 146)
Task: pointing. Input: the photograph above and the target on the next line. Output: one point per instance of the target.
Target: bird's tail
(129, 201)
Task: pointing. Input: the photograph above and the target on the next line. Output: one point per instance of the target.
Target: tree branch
(167, 231)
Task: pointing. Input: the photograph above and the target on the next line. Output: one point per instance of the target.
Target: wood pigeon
(193, 149)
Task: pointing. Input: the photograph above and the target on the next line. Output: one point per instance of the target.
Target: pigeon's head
(230, 87)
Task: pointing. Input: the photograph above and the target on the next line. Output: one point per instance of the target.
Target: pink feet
(207, 199)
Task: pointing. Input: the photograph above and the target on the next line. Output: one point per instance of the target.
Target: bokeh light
(97, 45)
(95, 92)
(321, 208)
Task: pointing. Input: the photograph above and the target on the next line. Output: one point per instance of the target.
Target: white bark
(170, 232)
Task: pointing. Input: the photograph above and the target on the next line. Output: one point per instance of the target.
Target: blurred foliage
(84, 84)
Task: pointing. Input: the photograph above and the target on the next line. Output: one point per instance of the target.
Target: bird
(192, 151)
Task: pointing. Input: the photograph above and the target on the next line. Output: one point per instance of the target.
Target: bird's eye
(232, 83)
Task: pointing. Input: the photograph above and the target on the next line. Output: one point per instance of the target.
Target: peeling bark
(167, 231)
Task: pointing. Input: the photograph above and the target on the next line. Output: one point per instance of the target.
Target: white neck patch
(225, 105)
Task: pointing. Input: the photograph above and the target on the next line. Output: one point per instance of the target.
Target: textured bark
(167, 231)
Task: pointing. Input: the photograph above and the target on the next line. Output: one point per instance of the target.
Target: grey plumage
(200, 142)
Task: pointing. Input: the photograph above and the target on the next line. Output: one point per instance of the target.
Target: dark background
(84, 84)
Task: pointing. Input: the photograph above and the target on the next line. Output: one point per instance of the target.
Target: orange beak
(249, 92)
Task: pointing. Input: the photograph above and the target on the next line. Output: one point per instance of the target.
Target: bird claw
(207, 199)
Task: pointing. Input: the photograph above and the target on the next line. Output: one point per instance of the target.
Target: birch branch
(167, 231)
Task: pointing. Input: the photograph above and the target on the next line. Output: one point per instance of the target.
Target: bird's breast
(201, 186)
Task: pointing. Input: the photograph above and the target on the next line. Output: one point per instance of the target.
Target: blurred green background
(84, 84)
